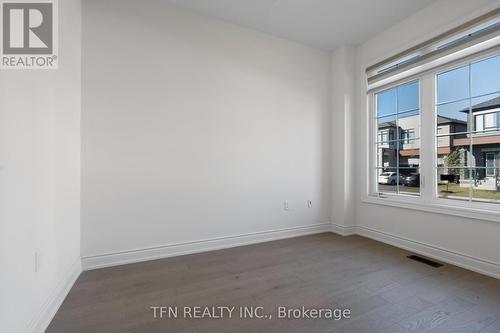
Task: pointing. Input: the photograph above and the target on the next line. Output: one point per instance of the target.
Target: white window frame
(428, 199)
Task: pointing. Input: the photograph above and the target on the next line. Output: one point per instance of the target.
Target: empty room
(216, 166)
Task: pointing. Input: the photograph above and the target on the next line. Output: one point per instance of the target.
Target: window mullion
(428, 137)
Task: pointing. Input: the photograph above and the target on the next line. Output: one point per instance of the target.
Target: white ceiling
(324, 24)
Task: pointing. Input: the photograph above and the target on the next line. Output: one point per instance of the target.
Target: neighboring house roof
(445, 120)
(486, 105)
(387, 124)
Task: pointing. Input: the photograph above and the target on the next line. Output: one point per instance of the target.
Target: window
(465, 121)
(469, 96)
(489, 121)
(398, 112)
(479, 123)
(385, 136)
(408, 135)
(434, 111)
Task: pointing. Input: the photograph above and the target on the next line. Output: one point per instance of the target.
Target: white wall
(40, 181)
(195, 129)
(473, 239)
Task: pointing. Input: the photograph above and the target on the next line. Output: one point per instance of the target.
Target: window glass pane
(486, 113)
(387, 155)
(453, 151)
(453, 85)
(409, 167)
(443, 146)
(486, 154)
(486, 181)
(387, 103)
(409, 154)
(408, 113)
(407, 135)
(453, 183)
(452, 117)
(398, 144)
(387, 180)
(479, 123)
(408, 98)
(485, 76)
(490, 120)
(387, 129)
(486, 195)
(409, 125)
(410, 181)
(485, 102)
(468, 164)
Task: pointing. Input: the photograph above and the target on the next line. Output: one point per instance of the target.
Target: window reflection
(398, 140)
(468, 132)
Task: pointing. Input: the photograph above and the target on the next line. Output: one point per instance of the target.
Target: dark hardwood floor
(384, 290)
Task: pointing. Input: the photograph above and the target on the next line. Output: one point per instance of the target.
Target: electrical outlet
(309, 204)
(285, 205)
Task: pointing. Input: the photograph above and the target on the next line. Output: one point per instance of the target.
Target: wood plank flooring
(385, 291)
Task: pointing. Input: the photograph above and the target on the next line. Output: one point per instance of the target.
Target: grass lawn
(456, 191)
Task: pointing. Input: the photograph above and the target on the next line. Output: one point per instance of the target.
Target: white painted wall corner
(42, 319)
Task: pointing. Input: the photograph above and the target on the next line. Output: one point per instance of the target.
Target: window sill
(440, 206)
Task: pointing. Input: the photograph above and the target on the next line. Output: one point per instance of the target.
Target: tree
(454, 161)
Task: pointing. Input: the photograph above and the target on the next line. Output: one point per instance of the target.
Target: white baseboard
(48, 310)
(342, 230)
(441, 254)
(170, 250)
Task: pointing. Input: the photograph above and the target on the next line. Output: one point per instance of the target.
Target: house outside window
(466, 108)
(398, 112)
(471, 93)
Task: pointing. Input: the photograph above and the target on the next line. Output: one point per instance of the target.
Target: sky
(456, 90)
